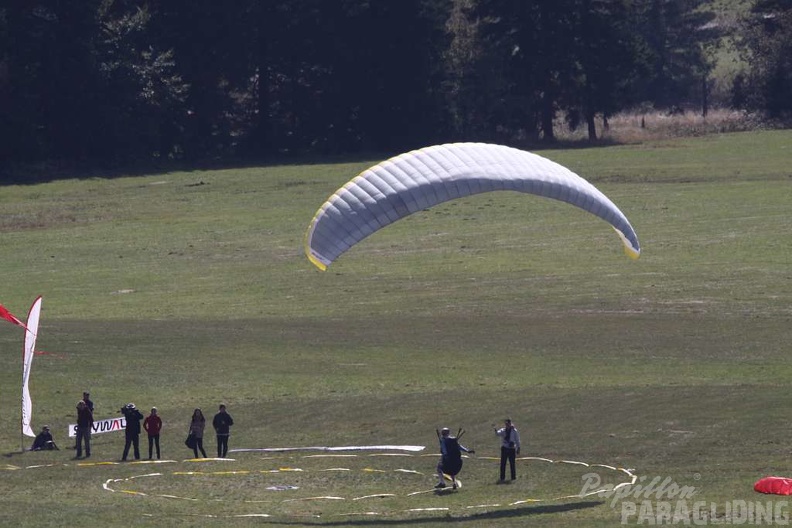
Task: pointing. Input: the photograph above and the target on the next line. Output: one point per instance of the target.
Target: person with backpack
(450, 457)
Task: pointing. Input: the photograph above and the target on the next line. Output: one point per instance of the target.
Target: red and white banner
(102, 426)
(8, 316)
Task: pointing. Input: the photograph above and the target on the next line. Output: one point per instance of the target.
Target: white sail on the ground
(27, 363)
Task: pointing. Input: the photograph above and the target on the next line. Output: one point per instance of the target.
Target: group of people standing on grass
(152, 425)
(451, 450)
(221, 422)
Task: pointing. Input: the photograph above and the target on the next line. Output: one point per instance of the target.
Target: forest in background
(121, 82)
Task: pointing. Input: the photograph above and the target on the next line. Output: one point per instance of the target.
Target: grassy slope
(185, 289)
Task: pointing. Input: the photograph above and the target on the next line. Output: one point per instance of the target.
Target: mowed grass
(190, 289)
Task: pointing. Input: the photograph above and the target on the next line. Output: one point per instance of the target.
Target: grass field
(191, 289)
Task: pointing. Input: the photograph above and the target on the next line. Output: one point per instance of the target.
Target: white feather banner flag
(27, 362)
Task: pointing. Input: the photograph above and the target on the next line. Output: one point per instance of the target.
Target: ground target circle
(385, 484)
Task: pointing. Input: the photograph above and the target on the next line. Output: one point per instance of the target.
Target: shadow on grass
(48, 171)
(478, 517)
(32, 173)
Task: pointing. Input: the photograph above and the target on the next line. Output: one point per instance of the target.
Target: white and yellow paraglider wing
(420, 179)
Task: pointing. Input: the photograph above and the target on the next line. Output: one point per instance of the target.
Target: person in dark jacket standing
(87, 400)
(222, 423)
(153, 424)
(510, 448)
(84, 426)
(132, 431)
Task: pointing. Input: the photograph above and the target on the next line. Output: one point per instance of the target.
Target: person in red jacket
(152, 424)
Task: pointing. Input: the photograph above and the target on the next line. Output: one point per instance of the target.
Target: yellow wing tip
(629, 250)
(632, 252)
(316, 262)
(309, 252)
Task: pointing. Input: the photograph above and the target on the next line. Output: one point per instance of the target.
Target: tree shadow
(55, 170)
(492, 516)
(31, 173)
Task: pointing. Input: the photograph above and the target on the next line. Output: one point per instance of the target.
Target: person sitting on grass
(43, 441)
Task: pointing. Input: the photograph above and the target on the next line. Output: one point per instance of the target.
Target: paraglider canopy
(774, 485)
(417, 180)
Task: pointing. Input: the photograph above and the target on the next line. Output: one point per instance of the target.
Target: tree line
(119, 81)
